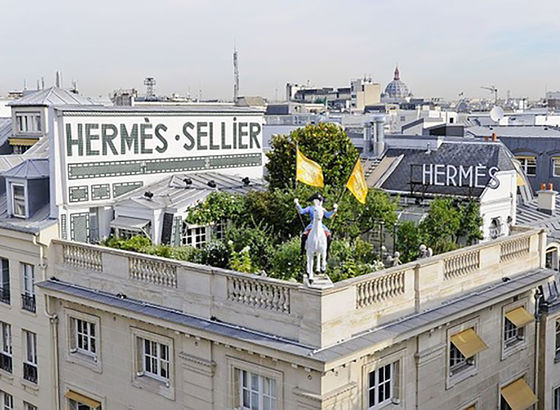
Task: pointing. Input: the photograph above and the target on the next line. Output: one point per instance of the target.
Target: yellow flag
(307, 171)
(357, 183)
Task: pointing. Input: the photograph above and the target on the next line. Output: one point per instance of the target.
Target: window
(5, 281)
(7, 401)
(30, 372)
(220, 230)
(517, 394)
(380, 385)
(556, 166)
(6, 347)
(515, 320)
(155, 359)
(28, 122)
(511, 333)
(256, 392)
(28, 406)
(28, 295)
(528, 164)
(557, 339)
(496, 228)
(195, 236)
(153, 365)
(556, 399)
(18, 201)
(463, 348)
(457, 361)
(84, 339)
(78, 401)
(551, 257)
(76, 405)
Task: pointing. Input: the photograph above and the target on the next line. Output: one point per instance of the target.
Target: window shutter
(139, 356)
(236, 389)
(176, 232)
(72, 335)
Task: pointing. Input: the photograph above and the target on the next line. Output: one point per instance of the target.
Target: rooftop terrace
(310, 319)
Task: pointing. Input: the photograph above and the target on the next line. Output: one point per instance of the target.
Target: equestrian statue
(316, 237)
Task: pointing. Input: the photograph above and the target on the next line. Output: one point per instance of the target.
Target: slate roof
(30, 169)
(159, 109)
(52, 96)
(39, 150)
(7, 162)
(380, 336)
(459, 152)
(38, 221)
(5, 130)
(528, 214)
(175, 193)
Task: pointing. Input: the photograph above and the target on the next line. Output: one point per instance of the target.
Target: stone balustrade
(259, 294)
(514, 249)
(82, 257)
(461, 264)
(379, 289)
(152, 271)
(315, 317)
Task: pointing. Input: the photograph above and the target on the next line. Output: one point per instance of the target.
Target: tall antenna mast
(235, 75)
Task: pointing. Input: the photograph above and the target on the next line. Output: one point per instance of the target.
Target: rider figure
(318, 202)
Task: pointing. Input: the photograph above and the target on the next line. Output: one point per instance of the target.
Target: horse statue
(315, 236)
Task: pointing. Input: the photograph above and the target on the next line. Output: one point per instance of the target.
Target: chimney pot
(546, 199)
(494, 137)
(543, 186)
(550, 186)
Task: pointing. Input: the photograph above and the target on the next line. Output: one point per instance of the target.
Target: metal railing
(28, 302)
(30, 372)
(5, 295)
(5, 362)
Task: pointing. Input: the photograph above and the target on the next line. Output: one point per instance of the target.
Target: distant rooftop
(30, 169)
(514, 131)
(53, 96)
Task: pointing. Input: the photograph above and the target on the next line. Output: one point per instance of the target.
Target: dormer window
(28, 122)
(18, 200)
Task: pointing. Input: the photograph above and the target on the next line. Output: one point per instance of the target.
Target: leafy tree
(409, 239)
(470, 222)
(327, 144)
(288, 261)
(241, 261)
(218, 206)
(441, 225)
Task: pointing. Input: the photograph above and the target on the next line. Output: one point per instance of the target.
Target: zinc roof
(176, 193)
(52, 96)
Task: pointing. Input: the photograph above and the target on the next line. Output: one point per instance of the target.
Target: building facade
(455, 331)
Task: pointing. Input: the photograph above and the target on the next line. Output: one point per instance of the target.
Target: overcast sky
(441, 47)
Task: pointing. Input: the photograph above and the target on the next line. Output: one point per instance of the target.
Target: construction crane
(494, 91)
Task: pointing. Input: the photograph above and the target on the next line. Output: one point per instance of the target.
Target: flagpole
(295, 188)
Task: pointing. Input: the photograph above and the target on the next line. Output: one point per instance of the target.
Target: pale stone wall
(19, 248)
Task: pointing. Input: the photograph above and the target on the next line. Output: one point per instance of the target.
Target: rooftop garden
(263, 227)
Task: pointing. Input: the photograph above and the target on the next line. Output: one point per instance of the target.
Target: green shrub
(287, 261)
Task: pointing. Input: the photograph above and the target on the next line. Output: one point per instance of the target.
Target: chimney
(379, 147)
(546, 199)
(58, 81)
(367, 139)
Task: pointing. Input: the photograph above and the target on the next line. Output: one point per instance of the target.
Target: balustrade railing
(461, 264)
(379, 289)
(153, 271)
(259, 294)
(514, 248)
(82, 257)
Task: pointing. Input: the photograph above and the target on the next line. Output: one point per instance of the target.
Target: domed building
(397, 89)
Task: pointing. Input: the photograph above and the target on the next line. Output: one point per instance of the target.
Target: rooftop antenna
(235, 74)
(149, 82)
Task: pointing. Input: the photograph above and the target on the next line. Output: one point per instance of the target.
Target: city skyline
(441, 51)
